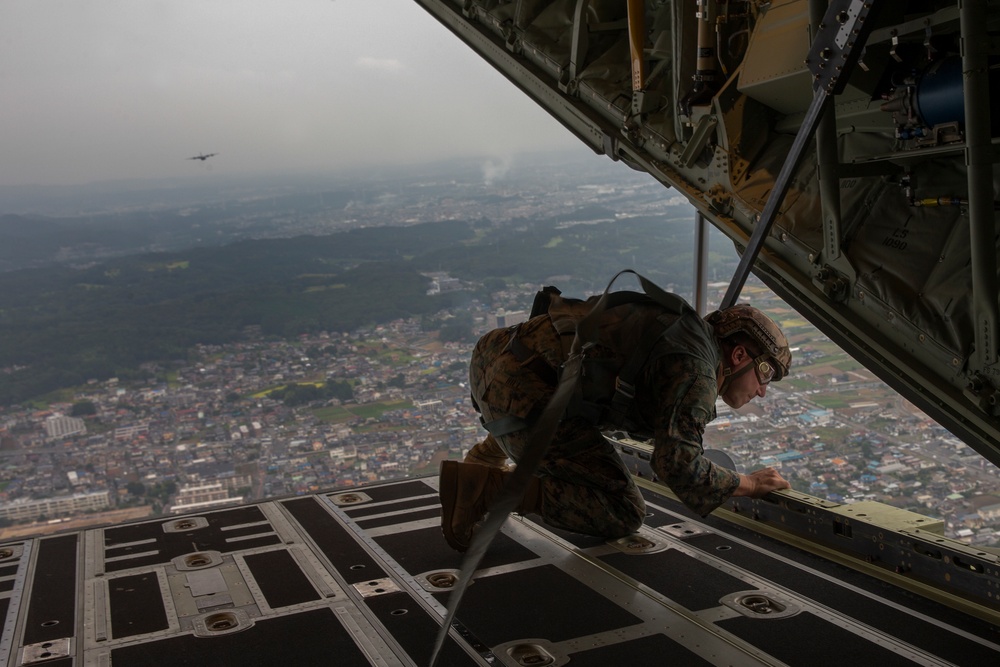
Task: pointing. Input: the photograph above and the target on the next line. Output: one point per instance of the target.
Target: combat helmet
(761, 329)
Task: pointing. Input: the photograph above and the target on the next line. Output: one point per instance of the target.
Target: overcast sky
(107, 89)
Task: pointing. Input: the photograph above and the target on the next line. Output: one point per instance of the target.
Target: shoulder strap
(621, 401)
(671, 302)
(566, 312)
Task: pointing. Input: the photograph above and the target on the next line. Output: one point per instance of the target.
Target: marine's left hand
(761, 482)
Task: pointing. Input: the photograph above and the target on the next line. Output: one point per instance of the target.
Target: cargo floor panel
(692, 583)
(932, 635)
(278, 641)
(365, 575)
(516, 605)
(424, 550)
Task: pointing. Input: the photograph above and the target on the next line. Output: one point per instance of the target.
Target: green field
(848, 365)
(269, 390)
(376, 410)
(833, 402)
(796, 384)
(338, 414)
(333, 414)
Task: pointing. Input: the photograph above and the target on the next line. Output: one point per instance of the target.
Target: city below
(212, 434)
(262, 417)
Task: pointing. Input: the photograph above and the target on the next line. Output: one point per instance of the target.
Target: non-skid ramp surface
(362, 577)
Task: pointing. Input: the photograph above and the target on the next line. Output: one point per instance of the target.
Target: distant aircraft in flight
(203, 156)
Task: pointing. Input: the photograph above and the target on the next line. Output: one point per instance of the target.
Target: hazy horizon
(106, 91)
(579, 165)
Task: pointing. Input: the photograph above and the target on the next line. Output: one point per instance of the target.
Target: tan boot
(488, 453)
(466, 491)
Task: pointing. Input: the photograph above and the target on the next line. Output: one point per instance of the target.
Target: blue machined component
(939, 97)
(928, 104)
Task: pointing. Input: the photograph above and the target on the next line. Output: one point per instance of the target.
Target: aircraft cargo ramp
(361, 577)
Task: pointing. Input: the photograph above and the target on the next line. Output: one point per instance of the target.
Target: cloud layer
(106, 90)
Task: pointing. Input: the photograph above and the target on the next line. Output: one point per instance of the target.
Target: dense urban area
(263, 417)
(213, 433)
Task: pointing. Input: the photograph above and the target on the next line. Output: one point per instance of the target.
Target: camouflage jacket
(675, 394)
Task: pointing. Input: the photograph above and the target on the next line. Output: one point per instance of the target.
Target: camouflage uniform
(585, 486)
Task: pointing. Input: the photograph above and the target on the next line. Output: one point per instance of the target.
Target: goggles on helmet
(746, 319)
(764, 368)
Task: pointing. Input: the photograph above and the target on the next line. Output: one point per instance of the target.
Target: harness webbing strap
(625, 382)
(504, 425)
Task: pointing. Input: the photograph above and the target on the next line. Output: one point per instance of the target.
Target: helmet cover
(759, 327)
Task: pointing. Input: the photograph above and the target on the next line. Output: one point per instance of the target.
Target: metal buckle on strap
(624, 388)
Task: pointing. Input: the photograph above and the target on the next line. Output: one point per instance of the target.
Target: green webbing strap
(671, 302)
(621, 401)
(625, 382)
(538, 442)
(504, 425)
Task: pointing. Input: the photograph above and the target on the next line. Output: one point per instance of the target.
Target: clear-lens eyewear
(764, 369)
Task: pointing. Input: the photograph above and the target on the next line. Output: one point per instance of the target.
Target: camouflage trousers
(585, 487)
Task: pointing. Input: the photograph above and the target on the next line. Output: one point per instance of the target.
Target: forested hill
(62, 326)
